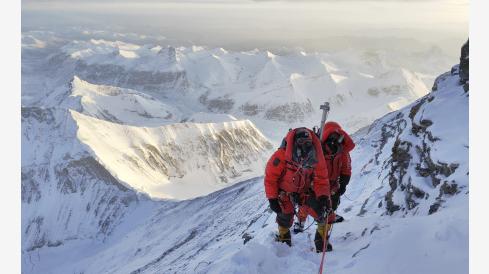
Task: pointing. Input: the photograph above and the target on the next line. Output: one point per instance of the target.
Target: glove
(324, 203)
(275, 206)
(342, 189)
(344, 180)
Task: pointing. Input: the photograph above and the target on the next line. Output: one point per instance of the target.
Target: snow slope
(406, 211)
(231, 231)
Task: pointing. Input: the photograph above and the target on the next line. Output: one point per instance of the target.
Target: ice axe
(325, 108)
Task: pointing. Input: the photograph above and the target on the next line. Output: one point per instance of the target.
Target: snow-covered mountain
(273, 90)
(89, 156)
(82, 175)
(180, 160)
(406, 207)
(123, 106)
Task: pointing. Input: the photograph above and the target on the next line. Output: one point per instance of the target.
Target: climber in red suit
(336, 144)
(296, 174)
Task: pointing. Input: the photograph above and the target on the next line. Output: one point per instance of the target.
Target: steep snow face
(179, 160)
(66, 194)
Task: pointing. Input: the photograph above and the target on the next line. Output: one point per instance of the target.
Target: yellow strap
(321, 229)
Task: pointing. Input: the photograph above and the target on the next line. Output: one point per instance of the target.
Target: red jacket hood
(289, 138)
(330, 127)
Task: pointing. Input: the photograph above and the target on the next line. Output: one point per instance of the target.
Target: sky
(245, 24)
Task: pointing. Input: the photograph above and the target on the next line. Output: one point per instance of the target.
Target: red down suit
(284, 176)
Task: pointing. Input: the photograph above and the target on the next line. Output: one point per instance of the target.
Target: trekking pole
(325, 108)
(325, 243)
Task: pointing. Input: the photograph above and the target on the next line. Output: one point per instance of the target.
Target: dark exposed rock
(434, 208)
(448, 189)
(400, 154)
(390, 206)
(455, 70)
(116, 75)
(250, 109)
(246, 237)
(414, 109)
(221, 104)
(291, 112)
(30, 185)
(40, 114)
(464, 63)
(440, 78)
(388, 131)
(427, 168)
(89, 169)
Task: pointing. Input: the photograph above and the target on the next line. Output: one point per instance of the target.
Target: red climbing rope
(325, 243)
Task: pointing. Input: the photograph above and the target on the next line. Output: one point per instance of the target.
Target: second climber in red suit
(296, 174)
(336, 144)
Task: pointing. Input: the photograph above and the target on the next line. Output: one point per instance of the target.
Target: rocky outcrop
(464, 65)
(418, 156)
(464, 62)
(292, 112)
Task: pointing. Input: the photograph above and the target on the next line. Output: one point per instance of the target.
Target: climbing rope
(325, 243)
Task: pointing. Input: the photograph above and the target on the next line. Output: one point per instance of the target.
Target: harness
(300, 177)
(298, 171)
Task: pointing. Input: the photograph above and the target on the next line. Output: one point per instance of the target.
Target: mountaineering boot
(338, 219)
(284, 235)
(298, 227)
(318, 238)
